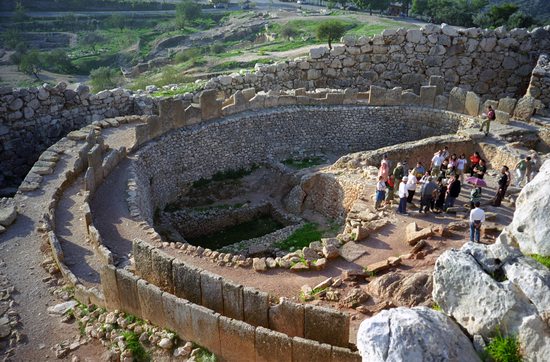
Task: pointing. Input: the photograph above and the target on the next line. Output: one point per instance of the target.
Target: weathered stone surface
(472, 104)
(326, 325)
(413, 234)
(256, 305)
(237, 340)
(457, 100)
(399, 334)
(308, 350)
(8, 214)
(287, 317)
(210, 106)
(529, 226)
(502, 117)
(272, 346)
(233, 300)
(407, 290)
(211, 291)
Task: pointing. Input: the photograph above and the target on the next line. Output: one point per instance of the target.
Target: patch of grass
(437, 308)
(222, 176)
(301, 237)
(182, 89)
(205, 355)
(375, 29)
(303, 163)
(132, 343)
(233, 65)
(544, 260)
(504, 349)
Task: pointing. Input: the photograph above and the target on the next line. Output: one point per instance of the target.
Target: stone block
(142, 259)
(249, 93)
(210, 106)
(525, 108)
(256, 306)
(161, 267)
(205, 328)
(377, 96)
(339, 354)
(155, 126)
(178, 316)
(187, 281)
(257, 102)
(89, 180)
(287, 317)
(472, 104)
(393, 96)
(409, 98)
(308, 350)
(507, 105)
(128, 293)
(457, 100)
(150, 298)
(326, 325)
(233, 304)
(95, 161)
(237, 340)
(502, 117)
(211, 291)
(439, 82)
(110, 287)
(272, 346)
(141, 134)
(335, 98)
(172, 112)
(427, 95)
(192, 115)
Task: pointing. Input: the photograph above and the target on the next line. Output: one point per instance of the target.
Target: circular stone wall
(166, 166)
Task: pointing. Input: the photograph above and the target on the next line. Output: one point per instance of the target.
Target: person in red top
(487, 122)
(390, 184)
(474, 160)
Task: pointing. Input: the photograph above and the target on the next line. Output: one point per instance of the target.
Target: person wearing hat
(403, 193)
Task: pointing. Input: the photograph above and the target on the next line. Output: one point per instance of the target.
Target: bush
(104, 78)
(330, 30)
(544, 260)
(504, 349)
(289, 31)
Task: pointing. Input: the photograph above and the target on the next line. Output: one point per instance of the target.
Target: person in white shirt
(437, 160)
(461, 166)
(477, 217)
(380, 191)
(411, 186)
(403, 193)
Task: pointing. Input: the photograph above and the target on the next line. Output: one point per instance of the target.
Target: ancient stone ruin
(124, 189)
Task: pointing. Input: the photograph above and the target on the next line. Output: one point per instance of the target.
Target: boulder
(407, 290)
(259, 264)
(417, 334)
(413, 234)
(530, 227)
(8, 214)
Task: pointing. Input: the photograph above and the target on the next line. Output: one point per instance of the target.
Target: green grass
(234, 65)
(247, 230)
(544, 260)
(205, 356)
(182, 89)
(301, 237)
(284, 45)
(375, 29)
(303, 163)
(437, 308)
(504, 349)
(132, 343)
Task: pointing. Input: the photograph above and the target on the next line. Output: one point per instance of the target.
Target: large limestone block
(8, 213)
(525, 108)
(427, 95)
(326, 325)
(439, 82)
(417, 334)
(507, 105)
(308, 350)
(150, 298)
(237, 340)
(472, 104)
(211, 290)
(377, 96)
(256, 305)
(187, 281)
(287, 317)
(205, 327)
(233, 300)
(272, 346)
(210, 106)
(161, 265)
(127, 291)
(502, 117)
(530, 226)
(178, 316)
(457, 100)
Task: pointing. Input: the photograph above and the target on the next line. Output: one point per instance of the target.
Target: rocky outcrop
(407, 290)
(530, 227)
(417, 334)
(494, 288)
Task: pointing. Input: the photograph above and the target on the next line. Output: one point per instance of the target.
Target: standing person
(522, 168)
(474, 160)
(535, 165)
(437, 160)
(390, 185)
(411, 186)
(419, 170)
(398, 171)
(425, 178)
(502, 186)
(427, 195)
(480, 169)
(442, 191)
(384, 168)
(453, 190)
(402, 209)
(477, 217)
(461, 166)
(445, 152)
(445, 167)
(475, 196)
(380, 192)
(487, 122)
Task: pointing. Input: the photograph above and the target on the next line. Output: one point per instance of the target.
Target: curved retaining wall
(165, 167)
(493, 63)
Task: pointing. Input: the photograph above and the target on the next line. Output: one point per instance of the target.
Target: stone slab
(272, 346)
(340, 354)
(256, 306)
(205, 328)
(178, 316)
(237, 340)
(308, 350)
(233, 303)
(161, 265)
(211, 291)
(110, 287)
(352, 251)
(326, 325)
(187, 281)
(287, 317)
(150, 298)
(142, 259)
(128, 293)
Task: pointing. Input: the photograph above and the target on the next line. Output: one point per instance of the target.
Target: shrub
(330, 30)
(504, 349)
(103, 78)
(544, 260)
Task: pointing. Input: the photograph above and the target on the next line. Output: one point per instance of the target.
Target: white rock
(417, 334)
(316, 53)
(8, 214)
(166, 343)
(530, 226)
(62, 308)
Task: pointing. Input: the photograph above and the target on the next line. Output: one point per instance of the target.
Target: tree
(103, 78)
(11, 37)
(31, 63)
(330, 30)
(289, 31)
(116, 21)
(419, 7)
(92, 39)
(372, 4)
(506, 14)
(186, 12)
(20, 14)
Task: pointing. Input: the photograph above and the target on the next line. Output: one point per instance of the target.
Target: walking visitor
(477, 218)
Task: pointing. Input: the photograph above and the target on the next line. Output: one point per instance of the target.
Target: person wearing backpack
(477, 218)
(491, 116)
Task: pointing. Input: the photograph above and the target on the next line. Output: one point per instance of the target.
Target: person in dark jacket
(453, 190)
(427, 193)
(440, 201)
(502, 186)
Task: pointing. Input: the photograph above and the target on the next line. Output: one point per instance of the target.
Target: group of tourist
(441, 184)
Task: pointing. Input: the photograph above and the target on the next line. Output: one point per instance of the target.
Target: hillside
(539, 9)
